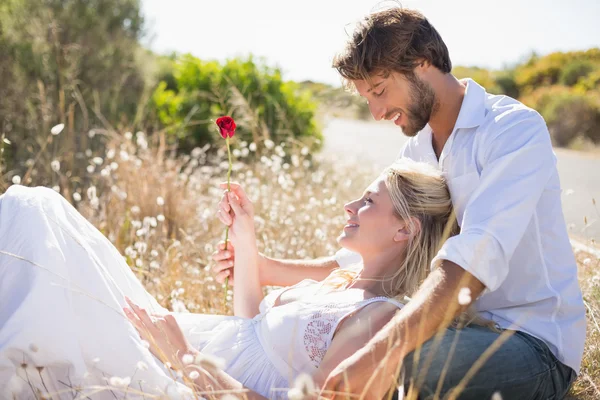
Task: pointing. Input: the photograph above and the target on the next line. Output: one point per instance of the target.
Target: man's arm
(373, 369)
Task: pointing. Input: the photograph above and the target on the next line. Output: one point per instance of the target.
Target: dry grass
(159, 211)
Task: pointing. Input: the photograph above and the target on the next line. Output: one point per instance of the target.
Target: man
(512, 258)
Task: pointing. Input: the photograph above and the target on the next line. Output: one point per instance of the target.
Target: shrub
(262, 103)
(576, 70)
(571, 115)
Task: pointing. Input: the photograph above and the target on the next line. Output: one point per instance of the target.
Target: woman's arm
(247, 296)
(352, 334)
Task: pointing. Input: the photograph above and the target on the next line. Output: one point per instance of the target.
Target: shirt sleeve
(518, 162)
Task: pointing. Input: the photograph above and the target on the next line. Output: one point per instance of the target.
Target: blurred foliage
(563, 87)
(67, 61)
(193, 93)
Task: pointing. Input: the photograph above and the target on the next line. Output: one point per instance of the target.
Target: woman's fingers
(234, 202)
(223, 275)
(221, 245)
(140, 313)
(225, 218)
(239, 191)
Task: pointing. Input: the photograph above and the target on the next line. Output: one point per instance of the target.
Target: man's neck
(450, 94)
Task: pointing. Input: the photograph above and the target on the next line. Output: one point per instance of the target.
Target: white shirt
(502, 175)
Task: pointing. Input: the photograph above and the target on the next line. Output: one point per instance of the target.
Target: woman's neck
(377, 271)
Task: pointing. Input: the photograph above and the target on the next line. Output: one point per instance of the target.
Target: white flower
(496, 396)
(128, 135)
(269, 144)
(304, 151)
(55, 165)
(587, 261)
(97, 160)
(142, 366)
(76, 197)
(91, 192)
(187, 359)
(195, 375)
(91, 133)
(114, 166)
(209, 361)
(16, 180)
(160, 201)
(135, 210)
(91, 169)
(304, 386)
(120, 382)
(154, 265)
(464, 296)
(57, 129)
(110, 154)
(88, 152)
(160, 218)
(252, 146)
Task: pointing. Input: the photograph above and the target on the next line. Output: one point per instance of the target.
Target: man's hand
(367, 374)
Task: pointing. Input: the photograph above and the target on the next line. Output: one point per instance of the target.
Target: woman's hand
(167, 341)
(225, 259)
(237, 211)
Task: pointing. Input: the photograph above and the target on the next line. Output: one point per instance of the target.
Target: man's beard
(422, 105)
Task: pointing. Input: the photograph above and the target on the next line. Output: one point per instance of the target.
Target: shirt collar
(472, 110)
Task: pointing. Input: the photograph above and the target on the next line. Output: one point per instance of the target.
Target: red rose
(226, 126)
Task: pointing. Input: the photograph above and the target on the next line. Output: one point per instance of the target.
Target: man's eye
(379, 94)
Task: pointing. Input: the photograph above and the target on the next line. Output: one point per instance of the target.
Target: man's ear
(409, 230)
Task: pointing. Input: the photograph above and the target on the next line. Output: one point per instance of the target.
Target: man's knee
(460, 359)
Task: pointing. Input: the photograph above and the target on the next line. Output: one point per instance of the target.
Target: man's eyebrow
(374, 86)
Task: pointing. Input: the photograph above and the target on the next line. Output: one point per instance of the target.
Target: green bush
(576, 70)
(195, 92)
(572, 115)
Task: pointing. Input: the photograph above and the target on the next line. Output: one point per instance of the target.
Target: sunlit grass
(160, 212)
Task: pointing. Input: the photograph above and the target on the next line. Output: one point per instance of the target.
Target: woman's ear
(409, 230)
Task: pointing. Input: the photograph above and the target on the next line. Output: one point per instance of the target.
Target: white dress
(62, 329)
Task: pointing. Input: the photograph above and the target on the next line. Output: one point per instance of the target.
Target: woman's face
(372, 227)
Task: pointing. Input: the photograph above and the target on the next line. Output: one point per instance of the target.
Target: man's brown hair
(395, 39)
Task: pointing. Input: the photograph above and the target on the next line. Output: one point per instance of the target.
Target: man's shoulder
(505, 115)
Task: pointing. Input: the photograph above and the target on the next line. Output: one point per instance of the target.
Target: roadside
(378, 143)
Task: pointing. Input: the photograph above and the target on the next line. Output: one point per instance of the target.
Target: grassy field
(159, 210)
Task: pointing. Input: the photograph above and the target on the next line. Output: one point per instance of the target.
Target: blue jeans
(521, 368)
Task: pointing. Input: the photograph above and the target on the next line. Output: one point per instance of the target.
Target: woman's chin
(346, 242)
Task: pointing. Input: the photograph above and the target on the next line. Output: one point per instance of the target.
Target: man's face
(402, 98)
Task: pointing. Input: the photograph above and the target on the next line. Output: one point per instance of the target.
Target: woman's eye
(368, 200)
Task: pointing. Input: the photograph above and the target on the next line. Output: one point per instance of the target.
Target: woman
(63, 287)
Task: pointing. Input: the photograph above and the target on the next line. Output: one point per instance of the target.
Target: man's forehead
(366, 86)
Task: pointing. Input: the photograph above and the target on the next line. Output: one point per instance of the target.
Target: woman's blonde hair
(421, 198)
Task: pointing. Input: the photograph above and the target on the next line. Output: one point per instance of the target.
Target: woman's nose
(348, 208)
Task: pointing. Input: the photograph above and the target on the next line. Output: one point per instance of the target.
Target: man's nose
(377, 111)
